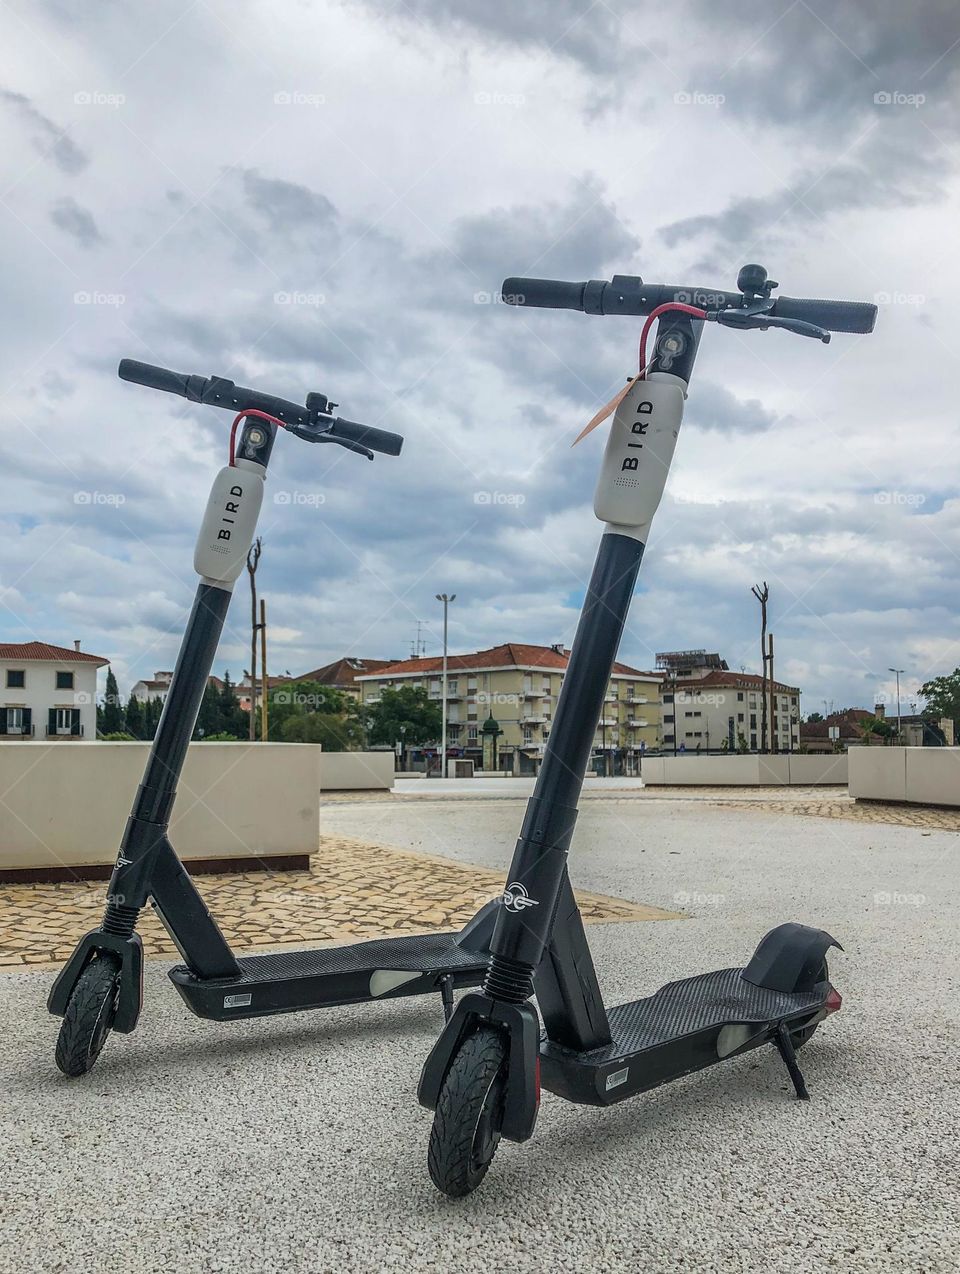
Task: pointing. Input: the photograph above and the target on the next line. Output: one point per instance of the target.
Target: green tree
(133, 718)
(307, 712)
(814, 717)
(110, 712)
(233, 719)
(407, 713)
(210, 716)
(943, 698)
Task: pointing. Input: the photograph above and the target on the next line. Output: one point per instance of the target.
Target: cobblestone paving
(923, 816)
(353, 890)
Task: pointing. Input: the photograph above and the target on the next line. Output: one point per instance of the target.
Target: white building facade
(48, 692)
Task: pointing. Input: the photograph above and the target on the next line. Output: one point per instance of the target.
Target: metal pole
(898, 671)
(442, 597)
(265, 711)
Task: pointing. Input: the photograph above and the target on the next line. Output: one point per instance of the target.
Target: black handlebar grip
(154, 377)
(376, 439)
(836, 316)
(546, 294)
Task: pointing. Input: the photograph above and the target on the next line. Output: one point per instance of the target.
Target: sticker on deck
(617, 1078)
(237, 1001)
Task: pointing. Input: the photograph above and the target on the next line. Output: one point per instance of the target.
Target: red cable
(655, 314)
(260, 415)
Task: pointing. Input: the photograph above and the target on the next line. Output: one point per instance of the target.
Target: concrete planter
(239, 805)
(744, 771)
(919, 776)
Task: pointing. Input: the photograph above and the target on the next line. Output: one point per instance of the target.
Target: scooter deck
(288, 981)
(681, 1028)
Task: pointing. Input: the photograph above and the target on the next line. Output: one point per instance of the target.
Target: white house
(47, 692)
(153, 689)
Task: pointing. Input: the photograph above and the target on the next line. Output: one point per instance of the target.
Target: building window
(668, 719)
(64, 719)
(452, 685)
(740, 716)
(16, 678)
(14, 720)
(64, 680)
(527, 735)
(739, 696)
(471, 734)
(753, 721)
(753, 740)
(668, 698)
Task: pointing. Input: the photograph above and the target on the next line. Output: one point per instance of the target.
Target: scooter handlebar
(628, 294)
(216, 391)
(375, 439)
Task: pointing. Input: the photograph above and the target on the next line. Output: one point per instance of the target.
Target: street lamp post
(442, 597)
(898, 671)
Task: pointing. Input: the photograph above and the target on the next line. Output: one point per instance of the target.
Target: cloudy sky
(326, 196)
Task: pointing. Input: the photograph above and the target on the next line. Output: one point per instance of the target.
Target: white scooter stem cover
(638, 453)
(229, 523)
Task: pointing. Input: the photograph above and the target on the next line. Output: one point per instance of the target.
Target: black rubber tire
(466, 1123)
(804, 1034)
(89, 1016)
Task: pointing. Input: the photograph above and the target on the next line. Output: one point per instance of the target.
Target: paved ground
(296, 1145)
(353, 890)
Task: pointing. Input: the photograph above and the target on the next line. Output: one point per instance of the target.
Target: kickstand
(446, 995)
(789, 1054)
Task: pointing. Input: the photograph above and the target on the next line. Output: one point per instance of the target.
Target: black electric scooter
(101, 986)
(483, 1076)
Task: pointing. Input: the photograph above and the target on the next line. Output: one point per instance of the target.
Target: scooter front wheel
(89, 1017)
(469, 1114)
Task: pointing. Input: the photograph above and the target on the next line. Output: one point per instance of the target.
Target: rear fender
(789, 958)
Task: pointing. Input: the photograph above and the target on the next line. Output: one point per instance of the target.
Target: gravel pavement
(295, 1144)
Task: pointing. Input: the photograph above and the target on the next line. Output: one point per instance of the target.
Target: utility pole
(762, 593)
(253, 561)
(442, 597)
(898, 671)
(264, 710)
(774, 734)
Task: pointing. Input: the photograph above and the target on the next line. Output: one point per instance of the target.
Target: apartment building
(518, 684)
(157, 686)
(708, 708)
(48, 692)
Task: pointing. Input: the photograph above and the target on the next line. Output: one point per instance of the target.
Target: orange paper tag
(607, 410)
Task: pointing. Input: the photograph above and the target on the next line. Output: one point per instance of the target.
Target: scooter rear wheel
(89, 1016)
(469, 1114)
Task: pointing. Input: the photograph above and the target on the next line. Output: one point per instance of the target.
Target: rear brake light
(834, 1001)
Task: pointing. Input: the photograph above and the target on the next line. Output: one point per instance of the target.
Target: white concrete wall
(922, 776)
(347, 771)
(66, 804)
(749, 770)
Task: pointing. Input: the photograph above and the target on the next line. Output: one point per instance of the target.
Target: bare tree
(762, 593)
(253, 561)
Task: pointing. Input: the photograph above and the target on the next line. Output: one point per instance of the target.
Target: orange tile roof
(43, 650)
(511, 654)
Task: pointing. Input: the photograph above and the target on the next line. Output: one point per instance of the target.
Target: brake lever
(321, 431)
(759, 320)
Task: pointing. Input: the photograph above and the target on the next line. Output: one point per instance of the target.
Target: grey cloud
(285, 205)
(50, 140)
(581, 30)
(76, 221)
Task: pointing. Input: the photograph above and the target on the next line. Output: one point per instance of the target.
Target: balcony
(632, 699)
(637, 723)
(609, 721)
(18, 732)
(65, 732)
(533, 718)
